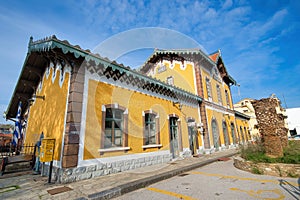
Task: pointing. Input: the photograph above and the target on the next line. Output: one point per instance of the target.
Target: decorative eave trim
(178, 51)
(52, 42)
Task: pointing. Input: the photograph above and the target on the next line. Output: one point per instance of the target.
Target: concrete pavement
(29, 186)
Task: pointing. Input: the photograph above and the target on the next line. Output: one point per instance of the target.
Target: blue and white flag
(18, 126)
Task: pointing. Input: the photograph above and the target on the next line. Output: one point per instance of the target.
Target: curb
(144, 182)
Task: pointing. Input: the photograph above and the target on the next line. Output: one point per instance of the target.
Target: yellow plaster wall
(214, 84)
(204, 75)
(48, 116)
(226, 87)
(102, 94)
(183, 78)
(220, 117)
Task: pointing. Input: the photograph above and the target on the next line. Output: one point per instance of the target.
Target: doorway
(174, 147)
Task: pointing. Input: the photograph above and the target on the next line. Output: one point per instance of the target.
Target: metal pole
(50, 171)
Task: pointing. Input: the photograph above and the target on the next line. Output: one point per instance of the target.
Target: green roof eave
(232, 80)
(52, 42)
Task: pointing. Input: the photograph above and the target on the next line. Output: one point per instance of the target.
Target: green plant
(279, 170)
(255, 170)
(256, 153)
(292, 175)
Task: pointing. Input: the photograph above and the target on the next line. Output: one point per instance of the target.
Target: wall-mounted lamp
(34, 97)
(177, 104)
(200, 128)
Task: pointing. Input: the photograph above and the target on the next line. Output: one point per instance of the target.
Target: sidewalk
(34, 187)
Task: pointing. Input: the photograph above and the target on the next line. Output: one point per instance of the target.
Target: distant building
(293, 120)
(242, 126)
(245, 106)
(6, 131)
(6, 128)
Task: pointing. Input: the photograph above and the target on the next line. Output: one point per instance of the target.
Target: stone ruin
(271, 125)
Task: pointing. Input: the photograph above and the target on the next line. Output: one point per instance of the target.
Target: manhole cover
(59, 190)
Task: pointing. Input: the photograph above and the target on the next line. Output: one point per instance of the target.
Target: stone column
(202, 106)
(73, 122)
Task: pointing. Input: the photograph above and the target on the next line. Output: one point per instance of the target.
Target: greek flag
(18, 126)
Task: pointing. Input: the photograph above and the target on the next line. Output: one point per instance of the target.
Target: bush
(256, 153)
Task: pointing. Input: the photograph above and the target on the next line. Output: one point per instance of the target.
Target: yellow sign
(47, 150)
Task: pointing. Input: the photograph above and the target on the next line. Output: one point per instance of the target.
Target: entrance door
(174, 137)
(215, 134)
(192, 137)
(225, 132)
(232, 133)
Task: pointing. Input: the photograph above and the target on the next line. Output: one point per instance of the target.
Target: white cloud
(227, 4)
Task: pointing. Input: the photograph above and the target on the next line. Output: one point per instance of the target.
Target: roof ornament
(30, 41)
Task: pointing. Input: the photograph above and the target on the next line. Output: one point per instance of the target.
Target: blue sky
(258, 39)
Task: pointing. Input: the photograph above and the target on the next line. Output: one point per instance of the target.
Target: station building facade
(107, 118)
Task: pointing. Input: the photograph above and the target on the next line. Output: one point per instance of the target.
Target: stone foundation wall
(81, 173)
(273, 169)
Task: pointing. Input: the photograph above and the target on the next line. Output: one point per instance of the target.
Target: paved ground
(219, 180)
(28, 186)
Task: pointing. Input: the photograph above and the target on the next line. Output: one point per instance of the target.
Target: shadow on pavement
(291, 189)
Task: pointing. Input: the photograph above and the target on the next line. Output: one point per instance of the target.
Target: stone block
(69, 161)
(76, 87)
(107, 171)
(74, 117)
(98, 173)
(75, 97)
(71, 139)
(67, 179)
(74, 106)
(116, 170)
(91, 168)
(79, 170)
(71, 149)
(72, 127)
(84, 176)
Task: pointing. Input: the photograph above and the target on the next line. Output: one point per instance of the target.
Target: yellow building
(242, 126)
(205, 76)
(245, 106)
(106, 118)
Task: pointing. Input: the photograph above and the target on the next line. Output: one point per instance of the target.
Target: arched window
(215, 132)
(242, 134)
(225, 133)
(232, 133)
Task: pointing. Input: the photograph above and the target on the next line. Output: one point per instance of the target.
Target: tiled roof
(214, 56)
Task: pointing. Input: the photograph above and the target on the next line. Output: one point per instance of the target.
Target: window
(150, 129)
(219, 94)
(227, 98)
(208, 88)
(170, 80)
(114, 121)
